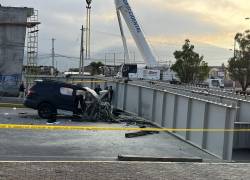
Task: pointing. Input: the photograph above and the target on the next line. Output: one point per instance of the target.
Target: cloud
(209, 24)
(223, 18)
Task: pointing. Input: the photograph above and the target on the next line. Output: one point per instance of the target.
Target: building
(40, 70)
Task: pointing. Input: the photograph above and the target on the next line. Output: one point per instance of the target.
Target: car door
(65, 98)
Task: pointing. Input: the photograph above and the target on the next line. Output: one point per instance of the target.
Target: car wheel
(46, 111)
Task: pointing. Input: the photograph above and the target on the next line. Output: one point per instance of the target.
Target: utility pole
(124, 58)
(81, 64)
(53, 55)
(114, 59)
(88, 24)
(134, 56)
(105, 59)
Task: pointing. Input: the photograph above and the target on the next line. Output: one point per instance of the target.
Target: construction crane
(123, 7)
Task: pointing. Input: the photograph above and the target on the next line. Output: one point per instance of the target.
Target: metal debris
(140, 133)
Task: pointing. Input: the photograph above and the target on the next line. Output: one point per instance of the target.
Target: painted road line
(94, 128)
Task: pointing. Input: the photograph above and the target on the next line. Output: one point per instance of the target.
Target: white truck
(131, 71)
(146, 74)
(212, 83)
(215, 83)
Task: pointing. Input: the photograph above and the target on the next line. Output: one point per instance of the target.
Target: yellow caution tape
(94, 128)
(89, 81)
(11, 105)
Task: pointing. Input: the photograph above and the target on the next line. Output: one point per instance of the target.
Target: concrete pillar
(13, 23)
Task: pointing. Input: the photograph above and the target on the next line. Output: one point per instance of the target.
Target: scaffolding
(32, 43)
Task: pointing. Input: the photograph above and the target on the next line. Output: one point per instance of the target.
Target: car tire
(47, 111)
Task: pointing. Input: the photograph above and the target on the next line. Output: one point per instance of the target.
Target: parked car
(49, 96)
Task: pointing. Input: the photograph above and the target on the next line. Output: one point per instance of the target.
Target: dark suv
(48, 96)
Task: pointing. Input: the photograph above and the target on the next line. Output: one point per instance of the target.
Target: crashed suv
(49, 96)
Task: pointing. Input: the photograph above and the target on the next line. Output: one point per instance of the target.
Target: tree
(239, 65)
(95, 68)
(189, 65)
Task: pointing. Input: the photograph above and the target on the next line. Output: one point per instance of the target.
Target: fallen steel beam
(158, 159)
(140, 133)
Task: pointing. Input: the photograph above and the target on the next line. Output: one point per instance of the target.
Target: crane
(123, 7)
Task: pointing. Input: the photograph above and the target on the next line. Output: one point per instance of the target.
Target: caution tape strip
(11, 105)
(89, 81)
(94, 128)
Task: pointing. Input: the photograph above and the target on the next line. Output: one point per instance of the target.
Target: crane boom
(136, 32)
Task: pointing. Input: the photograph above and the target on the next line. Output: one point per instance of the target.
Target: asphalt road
(97, 151)
(45, 145)
(122, 171)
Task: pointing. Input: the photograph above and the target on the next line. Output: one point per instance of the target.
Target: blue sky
(210, 25)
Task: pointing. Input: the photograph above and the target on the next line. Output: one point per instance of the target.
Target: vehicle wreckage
(94, 106)
(47, 97)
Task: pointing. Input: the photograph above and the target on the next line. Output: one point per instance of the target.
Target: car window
(66, 91)
(80, 92)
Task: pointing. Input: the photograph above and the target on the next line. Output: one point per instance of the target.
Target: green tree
(95, 68)
(189, 65)
(239, 65)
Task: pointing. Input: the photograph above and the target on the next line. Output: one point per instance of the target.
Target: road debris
(158, 159)
(140, 133)
(136, 121)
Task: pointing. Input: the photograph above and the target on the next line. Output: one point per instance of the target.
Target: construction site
(122, 115)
